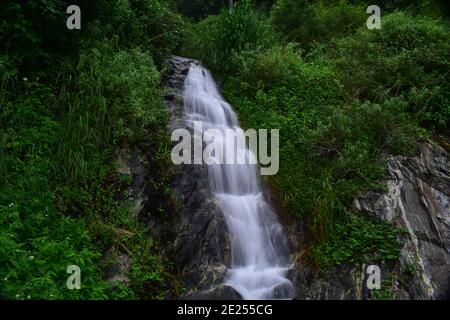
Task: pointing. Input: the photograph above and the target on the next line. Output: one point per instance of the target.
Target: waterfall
(259, 249)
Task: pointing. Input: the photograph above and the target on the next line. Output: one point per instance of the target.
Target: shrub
(333, 139)
(116, 98)
(359, 239)
(37, 241)
(220, 37)
(65, 104)
(408, 57)
(307, 22)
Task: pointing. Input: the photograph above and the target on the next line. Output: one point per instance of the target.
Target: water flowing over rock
(228, 240)
(214, 266)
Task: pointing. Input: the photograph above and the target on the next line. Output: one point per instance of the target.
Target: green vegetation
(385, 292)
(343, 96)
(307, 23)
(68, 99)
(357, 240)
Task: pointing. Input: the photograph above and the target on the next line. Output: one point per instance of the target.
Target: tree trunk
(230, 2)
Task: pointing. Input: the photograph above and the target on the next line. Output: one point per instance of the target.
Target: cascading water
(259, 250)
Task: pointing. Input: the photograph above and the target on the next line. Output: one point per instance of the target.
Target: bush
(357, 240)
(306, 23)
(37, 241)
(50, 220)
(65, 104)
(116, 98)
(34, 32)
(409, 58)
(333, 140)
(218, 38)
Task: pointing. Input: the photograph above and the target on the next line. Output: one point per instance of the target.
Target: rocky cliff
(416, 199)
(201, 243)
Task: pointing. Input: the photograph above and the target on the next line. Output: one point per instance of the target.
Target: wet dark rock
(200, 243)
(130, 163)
(130, 167)
(343, 283)
(221, 292)
(169, 96)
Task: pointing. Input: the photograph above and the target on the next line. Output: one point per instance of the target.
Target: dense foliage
(343, 96)
(68, 98)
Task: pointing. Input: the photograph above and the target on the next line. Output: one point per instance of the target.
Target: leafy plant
(359, 239)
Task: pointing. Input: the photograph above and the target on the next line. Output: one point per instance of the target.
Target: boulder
(221, 292)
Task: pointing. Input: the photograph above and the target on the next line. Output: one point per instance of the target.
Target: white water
(259, 250)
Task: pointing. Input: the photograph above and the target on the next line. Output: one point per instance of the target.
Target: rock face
(129, 166)
(343, 283)
(417, 200)
(201, 242)
(120, 270)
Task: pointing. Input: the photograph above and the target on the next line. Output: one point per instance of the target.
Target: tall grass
(55, 166)
(115, 98)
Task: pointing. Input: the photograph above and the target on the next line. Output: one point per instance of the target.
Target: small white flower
(28, 297)
(30, 257)
(11, 204)
(25, 79)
